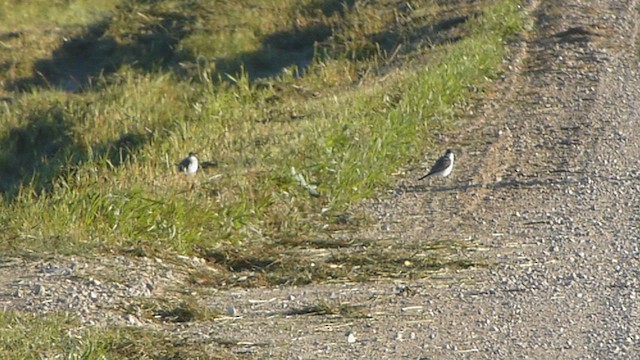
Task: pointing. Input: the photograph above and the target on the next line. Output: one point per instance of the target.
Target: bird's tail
(208, 164)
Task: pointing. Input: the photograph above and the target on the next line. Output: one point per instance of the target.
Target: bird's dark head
(448, 152)
(192, 153)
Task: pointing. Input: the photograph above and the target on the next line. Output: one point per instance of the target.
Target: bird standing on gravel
(443, 166)
(189, 165)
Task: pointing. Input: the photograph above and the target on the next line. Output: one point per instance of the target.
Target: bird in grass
(189, 165)
(442, 167)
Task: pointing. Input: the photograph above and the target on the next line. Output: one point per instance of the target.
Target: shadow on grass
(34, 153)
(298, 46)
(279, 51)
(284, 49)
(151, 43)
(101, 49)
(144, 35)
(47, 149)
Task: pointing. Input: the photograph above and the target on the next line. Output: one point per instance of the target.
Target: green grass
(36, 14)
(25, 336)
(97, 111)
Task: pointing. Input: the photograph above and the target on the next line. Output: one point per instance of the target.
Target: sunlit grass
(25, 336)
(17, 15)
(95, 169)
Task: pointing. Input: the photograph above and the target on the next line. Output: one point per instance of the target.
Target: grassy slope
(96, 106)
(95, 167)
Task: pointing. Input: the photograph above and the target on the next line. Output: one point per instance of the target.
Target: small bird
(443, 166)
(189, 165)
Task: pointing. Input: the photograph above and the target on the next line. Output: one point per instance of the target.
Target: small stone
(351, 338)
(198, 261)
(38, 289)
(231, 310)
(132, 320)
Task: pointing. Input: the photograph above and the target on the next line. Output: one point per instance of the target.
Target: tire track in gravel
(564, 284)
(547, 214)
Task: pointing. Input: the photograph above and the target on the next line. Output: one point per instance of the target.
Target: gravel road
(544, 198)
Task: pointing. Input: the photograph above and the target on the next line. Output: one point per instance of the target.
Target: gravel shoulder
(543, 200)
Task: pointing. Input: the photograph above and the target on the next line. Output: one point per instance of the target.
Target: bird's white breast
(193, 165)
(447, 171)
